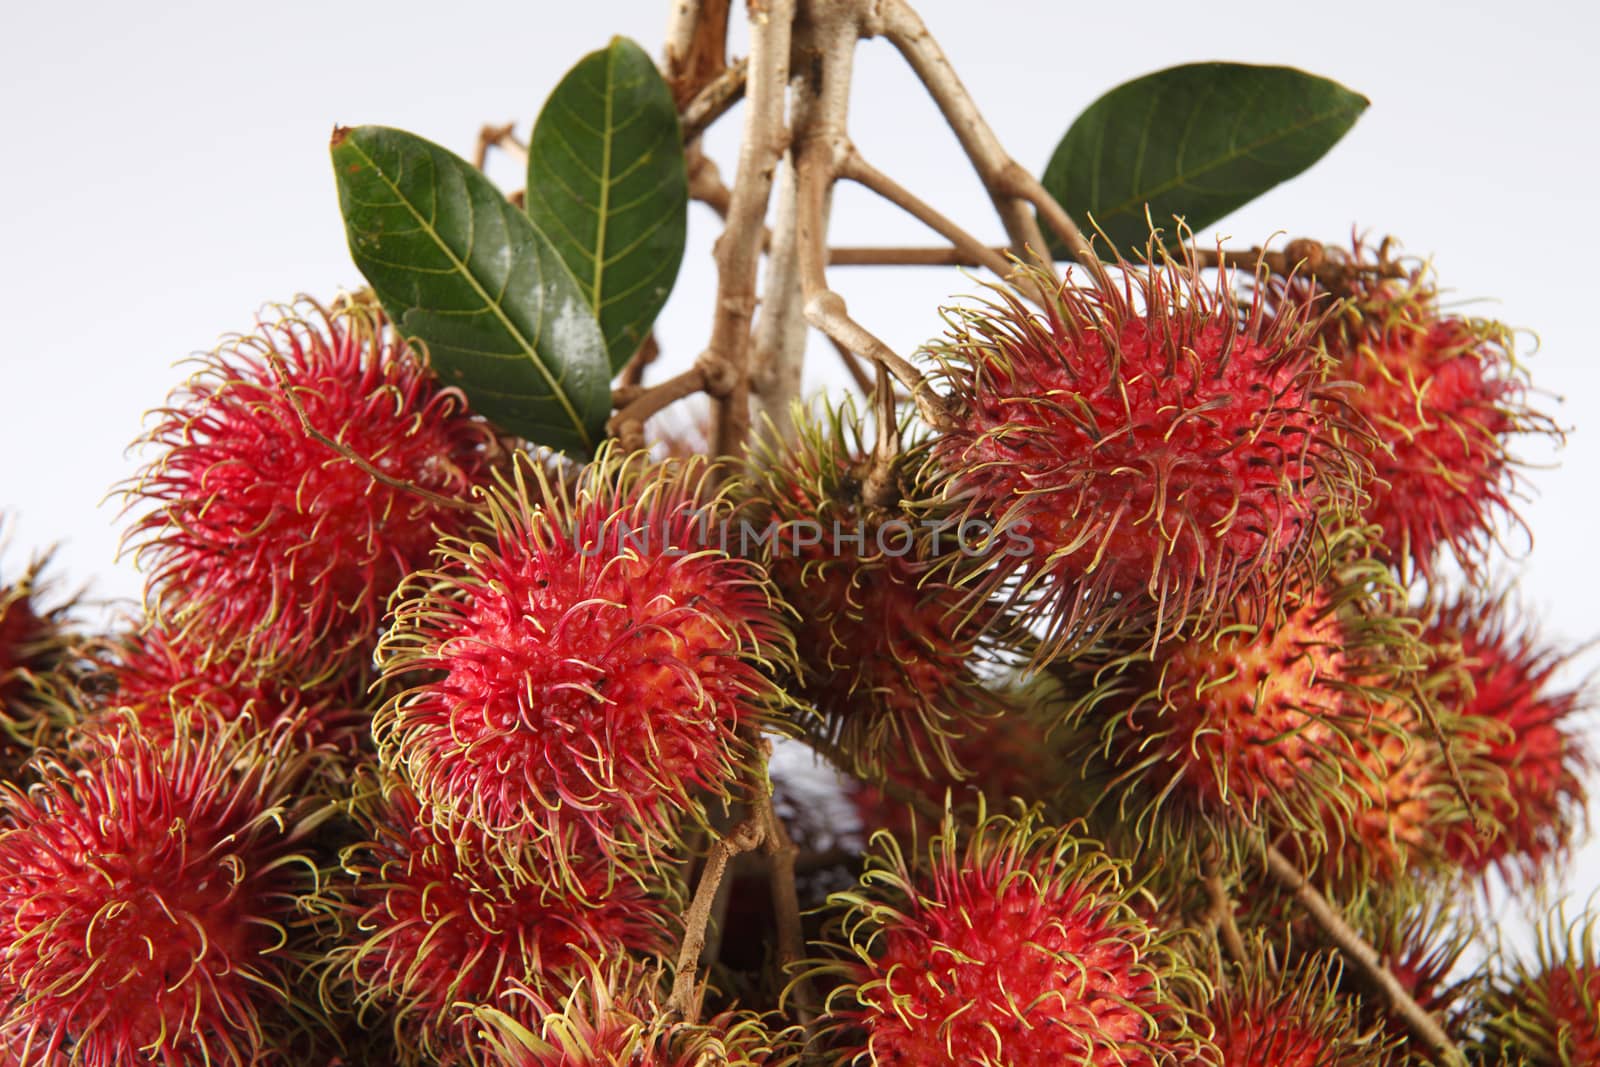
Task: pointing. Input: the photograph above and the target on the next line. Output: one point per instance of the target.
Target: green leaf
(1195, 142)
(607, 185)
(458, 267)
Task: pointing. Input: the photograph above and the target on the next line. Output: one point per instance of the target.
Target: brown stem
(1422, 1024)
(683, 999)
(780, 852)
(738, 250)
(852, 363)
(280, 370)
(637, 404)
(874, 256)
(859, 170)
(697, 46)
(879, 488)
(649, 352)
(713, 101)
(502, 138)
(1219, 913)
(1013, 190)
(705, 181)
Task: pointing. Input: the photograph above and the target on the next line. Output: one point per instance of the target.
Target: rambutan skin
(888, 651)
(1144, 451)
(1016, 946)
(1546, 1012)
(615, 1014)
(268, 544)
(36, 647)
(433, 927)
(1272, 1016)
(147, 900)
(1441, 398)
(1526, 725)
(590, 662)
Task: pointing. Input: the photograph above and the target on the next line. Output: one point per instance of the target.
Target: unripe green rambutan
(613, 1016)
(433, 927)
(1015, 945)
(888, 651)
(147, 899)
(1147, 452)
(587, 666)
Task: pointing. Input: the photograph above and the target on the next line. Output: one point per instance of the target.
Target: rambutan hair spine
(588, 665)
(1144, 451)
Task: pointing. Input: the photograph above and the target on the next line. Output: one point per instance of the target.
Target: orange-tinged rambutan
(1145, 451)
(1015, 946)
(1255, 724)
(615, 1015)
(434, 926)
(586, 667)
(270, 545)
(1546, 1012)
(147, 899)
(1442, 396)
(888, 651)
(1269, 1016)
(1526, 724)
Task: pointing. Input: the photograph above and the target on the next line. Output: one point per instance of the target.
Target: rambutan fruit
(1271, 1016)
(161, 680)
(269, 545)
(588, 666)
(147, 901)
(616, 1015)
(1546, 1013)
(1016, 946)
(1143, 451)
(1525, 724)
(1253, 725)
(888, 651)
(1442, 397)
(433, 926)
(36, 646)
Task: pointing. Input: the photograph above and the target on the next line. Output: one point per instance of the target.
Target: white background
(165, 174)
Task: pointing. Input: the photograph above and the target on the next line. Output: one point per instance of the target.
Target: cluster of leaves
(440, 705)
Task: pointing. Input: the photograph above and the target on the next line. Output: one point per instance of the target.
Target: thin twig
(852, 363)
(1010, 186)
(502, 138)
(705, 181)
(744, 837)
(713, 101)
(649, 352)
(859, 170)
(884, 256)
(637, 404)
(1219, 913)
(780, 852)
(697, 46)
(1421, 1023)
(280, 370)
(738, 251)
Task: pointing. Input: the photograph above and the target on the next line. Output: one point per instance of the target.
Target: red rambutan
(887, 650)
(587, 664)
(147, 899)
(435, 927)
(1442, 396)
(615, 1015)
(264, 543)
(1507, 687)
(1270, 1017)
(1547, 1013)
(35, 645)
(1016, 947)
(1144, 450)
